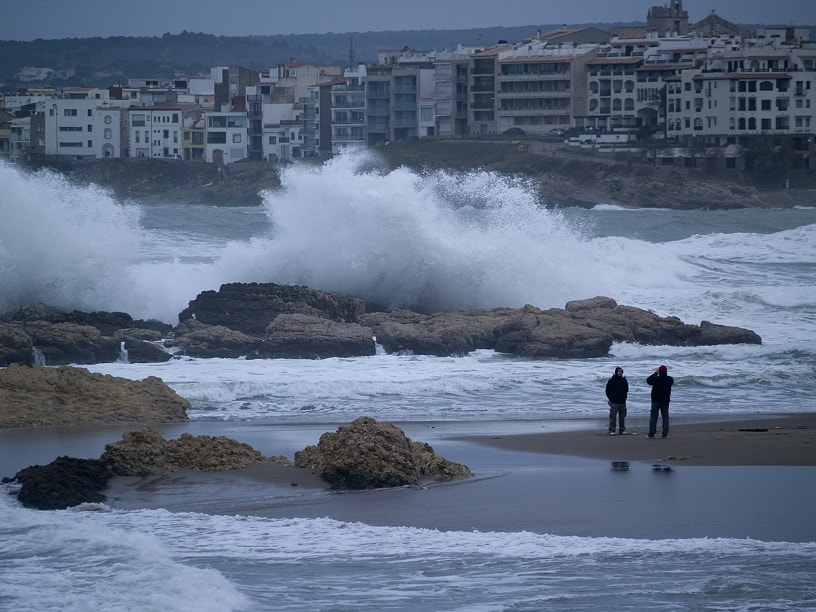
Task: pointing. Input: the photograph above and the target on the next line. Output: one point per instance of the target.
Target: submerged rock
(368, 454)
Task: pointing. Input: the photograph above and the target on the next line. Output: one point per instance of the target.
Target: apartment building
(539, 87)
(85, 124)
(226, 135)
(451, 71)
(155, 132)
(348, 110)
(193, 139)
(751, 91)
(19, 138)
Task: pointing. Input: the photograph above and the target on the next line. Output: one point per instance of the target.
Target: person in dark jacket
(617, 389)
(661, 384)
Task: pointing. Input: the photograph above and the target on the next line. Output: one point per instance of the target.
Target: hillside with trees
(103, 61)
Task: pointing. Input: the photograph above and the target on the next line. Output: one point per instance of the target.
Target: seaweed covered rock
(145, 452)
(65, 482)
(368, 454)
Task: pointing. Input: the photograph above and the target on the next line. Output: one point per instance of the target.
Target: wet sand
(723, 482)
(733, 477)
(778, 440)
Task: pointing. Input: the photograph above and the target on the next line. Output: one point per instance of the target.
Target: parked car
(555, 132)
(513, 131)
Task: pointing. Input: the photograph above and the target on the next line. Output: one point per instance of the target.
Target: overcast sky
(30, 19)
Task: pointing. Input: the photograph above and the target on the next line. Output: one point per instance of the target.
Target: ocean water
(428, 241)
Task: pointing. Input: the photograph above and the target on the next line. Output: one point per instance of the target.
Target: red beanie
(663, 369)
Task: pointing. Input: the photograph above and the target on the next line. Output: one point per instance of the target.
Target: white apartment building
(85, 128)
(226, 137)
(748, 92)
(155, 132)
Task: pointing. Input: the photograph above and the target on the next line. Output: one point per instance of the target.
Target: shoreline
(779, 440)
(556, 480)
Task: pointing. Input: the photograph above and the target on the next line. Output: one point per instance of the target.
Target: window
(765, 124)
(69, 112)
(216, 137)
(138, 140)
(236, 153)
(90, 144)
(108, 133)
(137, 120)
(765, 105)
(90, 128)
(236, 138)
(107, 119)
(90, 112)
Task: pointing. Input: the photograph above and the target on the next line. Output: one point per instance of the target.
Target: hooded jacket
(617, 389)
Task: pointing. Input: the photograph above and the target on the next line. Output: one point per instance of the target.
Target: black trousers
(663, 409)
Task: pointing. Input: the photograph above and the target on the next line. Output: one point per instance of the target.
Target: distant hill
(104, 61)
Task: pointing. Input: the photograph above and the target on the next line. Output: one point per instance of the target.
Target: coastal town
(708, 91)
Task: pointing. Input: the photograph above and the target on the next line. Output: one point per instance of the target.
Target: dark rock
(36, 396)
(106, 322)
(251, 307)
(298, 336)
(66, 343)
(63, 483)
(440, 334)
(145, 453)
(139, 351)
(369, 454)
(536, 334)
(198, 339)
(16, 345)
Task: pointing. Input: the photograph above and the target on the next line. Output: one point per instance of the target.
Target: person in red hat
(661, 384)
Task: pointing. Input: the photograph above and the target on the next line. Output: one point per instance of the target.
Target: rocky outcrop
(64, 343)
(294, 322)
(16, 346)
(36, 396)
(368, 454)
(251, 307)
(198, 339)
(363, 455)
(37, 333)
(440, 334)
(65, 482)
(68, 481)
(146, 452)
(300, 336)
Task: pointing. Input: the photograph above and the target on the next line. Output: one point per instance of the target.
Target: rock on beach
(37, 396)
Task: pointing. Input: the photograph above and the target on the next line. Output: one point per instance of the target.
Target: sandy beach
(777, 440)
